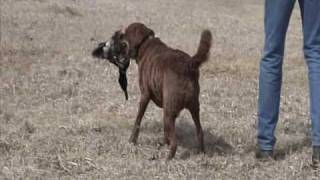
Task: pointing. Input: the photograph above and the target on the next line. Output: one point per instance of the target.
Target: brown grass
(63, 116)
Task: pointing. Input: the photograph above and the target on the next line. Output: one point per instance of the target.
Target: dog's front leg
(144, 100)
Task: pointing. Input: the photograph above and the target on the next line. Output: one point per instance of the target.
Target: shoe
(264, 155)
(316, 156)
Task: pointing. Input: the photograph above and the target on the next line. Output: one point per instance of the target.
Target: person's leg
(277, 16)
(310, 10)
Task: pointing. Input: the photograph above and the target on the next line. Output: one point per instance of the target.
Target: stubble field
(63, 115)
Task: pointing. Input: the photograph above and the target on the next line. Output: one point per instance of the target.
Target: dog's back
(170, 75)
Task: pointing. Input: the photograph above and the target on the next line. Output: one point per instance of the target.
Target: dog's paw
(133, 141)
(200, 151)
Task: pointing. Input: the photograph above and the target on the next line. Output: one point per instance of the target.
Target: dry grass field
(64, 116)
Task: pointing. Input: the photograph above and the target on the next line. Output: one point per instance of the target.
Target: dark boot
(264, 155)
(316, 156)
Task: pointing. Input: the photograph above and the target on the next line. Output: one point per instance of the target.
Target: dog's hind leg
(166, 129)
(144, 100)
(194, 110)
(170, 133)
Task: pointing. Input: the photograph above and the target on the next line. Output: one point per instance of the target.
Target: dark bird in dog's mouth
(113, 51)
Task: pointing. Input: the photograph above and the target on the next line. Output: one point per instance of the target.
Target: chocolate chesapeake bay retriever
(167, 76)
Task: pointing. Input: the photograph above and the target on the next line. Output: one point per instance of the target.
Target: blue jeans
(277, 16)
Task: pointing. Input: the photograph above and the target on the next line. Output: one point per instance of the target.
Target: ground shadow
(214, 145)
(291, 148)
(287, 148)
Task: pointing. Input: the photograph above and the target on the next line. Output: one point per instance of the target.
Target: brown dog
(167, 76)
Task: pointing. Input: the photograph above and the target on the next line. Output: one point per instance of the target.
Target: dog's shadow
(214, 145)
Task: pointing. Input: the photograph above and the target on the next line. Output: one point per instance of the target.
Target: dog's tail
(203, 51)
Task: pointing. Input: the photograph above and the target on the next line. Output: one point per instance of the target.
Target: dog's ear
(135, 34)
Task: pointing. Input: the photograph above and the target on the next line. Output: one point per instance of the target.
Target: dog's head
(123, 45)
(136, 34)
